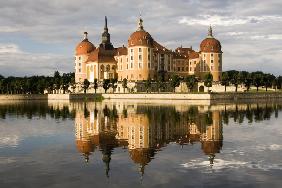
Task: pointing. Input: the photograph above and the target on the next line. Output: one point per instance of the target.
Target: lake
(138, 144)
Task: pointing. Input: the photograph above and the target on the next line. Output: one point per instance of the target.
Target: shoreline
(147, 96)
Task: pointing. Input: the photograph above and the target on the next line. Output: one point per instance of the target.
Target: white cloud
(14, 61)
(218, 20)
(9, 48)
(8, 29)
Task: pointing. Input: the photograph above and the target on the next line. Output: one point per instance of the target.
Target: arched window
(108, 68)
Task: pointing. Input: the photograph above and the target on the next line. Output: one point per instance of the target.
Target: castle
(145, 58)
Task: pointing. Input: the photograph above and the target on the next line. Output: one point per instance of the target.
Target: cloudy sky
(39, 36)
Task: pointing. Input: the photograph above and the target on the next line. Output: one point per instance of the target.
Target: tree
(95, 84)
(73, 84)
(235, 78)
(106, 84)
(57, 80)
(65, 81)
(246, 79)
(124, 84)
(191, 81)
(208, 79)
(175, 81)
(148, 84)
(257, 79)
(268, 80)
(86, 85)
(279, 82)
(113, 84)
(225, 80)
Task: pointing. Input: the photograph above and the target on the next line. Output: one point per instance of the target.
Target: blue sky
(39, 36)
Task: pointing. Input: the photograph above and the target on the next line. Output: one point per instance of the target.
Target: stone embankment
(149, 96)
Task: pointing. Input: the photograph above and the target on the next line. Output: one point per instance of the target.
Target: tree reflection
(144, 130)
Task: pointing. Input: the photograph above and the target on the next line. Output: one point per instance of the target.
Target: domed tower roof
(85, 46)
(210, 44)
(85, 147)
(140, 37)
(142, 155)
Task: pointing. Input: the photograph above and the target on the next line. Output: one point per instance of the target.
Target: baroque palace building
(145, 58)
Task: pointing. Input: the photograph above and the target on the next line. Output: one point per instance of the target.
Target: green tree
(95, 84)
(208, 79)
(191, 82)
(65, 81)
(257, 79)
(268, 80)
(235, 78)
(86, 85)
(246, 79)
(113, 84)
(73, 84)
(279, 82)
(148, 84)
(174, 81)
(225, 80)
(106, 84)
(57, 80)
(124, 84)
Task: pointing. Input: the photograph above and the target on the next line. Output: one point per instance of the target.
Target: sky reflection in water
(124, 144)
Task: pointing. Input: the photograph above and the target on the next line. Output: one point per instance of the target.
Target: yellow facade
(145, 58)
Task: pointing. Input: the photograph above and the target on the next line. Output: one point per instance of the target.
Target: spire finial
(106, 23)
(140, 23)
(210, 31)
(85, 35)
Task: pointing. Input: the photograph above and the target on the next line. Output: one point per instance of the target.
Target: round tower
(82, 51)
(211, 57)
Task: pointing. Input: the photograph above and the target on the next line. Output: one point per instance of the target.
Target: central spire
(106, 24)
(106, 37)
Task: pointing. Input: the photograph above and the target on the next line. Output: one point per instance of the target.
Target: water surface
(126, 144)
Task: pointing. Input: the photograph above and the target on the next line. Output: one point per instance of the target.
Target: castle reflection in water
(145, 129)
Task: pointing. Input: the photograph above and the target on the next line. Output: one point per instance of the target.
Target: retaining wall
(23, 97)
(159, 96)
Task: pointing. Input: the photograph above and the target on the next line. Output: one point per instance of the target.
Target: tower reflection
(145, 130)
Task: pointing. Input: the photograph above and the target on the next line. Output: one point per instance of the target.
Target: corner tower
(82, 51)
(211, 57)
(140, 53)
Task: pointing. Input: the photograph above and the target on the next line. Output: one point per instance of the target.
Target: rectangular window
(131, 50)
(140, 49)
(211, 61)
(131, 65)
(140, 57)
(131, 57)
